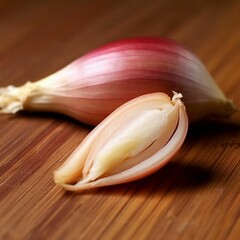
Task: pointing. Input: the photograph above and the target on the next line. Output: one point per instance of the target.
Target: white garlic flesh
(134, 141)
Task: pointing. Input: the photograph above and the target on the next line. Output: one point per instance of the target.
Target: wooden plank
(194, 197)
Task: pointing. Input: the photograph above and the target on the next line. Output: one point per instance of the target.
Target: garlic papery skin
(132, 142)
(90, 88)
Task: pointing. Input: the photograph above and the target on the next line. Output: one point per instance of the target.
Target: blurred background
(43, 36)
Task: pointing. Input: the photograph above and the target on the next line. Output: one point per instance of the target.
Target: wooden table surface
(196, 196)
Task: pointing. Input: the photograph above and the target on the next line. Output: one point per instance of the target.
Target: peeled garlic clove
(90, 88)
(134, 141)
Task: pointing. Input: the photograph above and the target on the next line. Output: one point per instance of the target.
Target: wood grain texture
(194, 197)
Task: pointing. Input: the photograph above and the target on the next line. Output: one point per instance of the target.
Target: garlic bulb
(134, 141)
(90, 88)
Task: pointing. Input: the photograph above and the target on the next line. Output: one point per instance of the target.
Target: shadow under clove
(173, 177)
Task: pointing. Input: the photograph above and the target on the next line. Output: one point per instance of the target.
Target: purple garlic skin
(94, 85)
